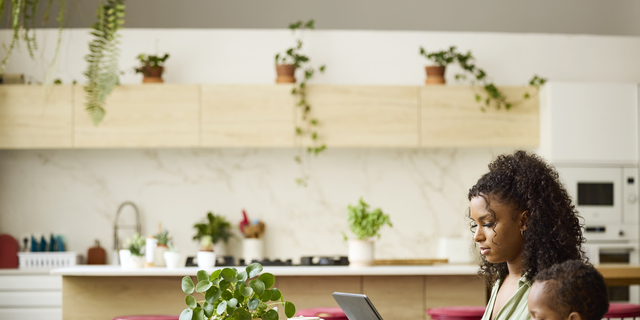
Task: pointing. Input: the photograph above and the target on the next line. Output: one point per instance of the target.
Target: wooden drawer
(31, 314)
(30, 283)
(31, 299)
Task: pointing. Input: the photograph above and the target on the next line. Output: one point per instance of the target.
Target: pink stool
(155, 317)
(327, 313)
(623, 310)
(456, 313)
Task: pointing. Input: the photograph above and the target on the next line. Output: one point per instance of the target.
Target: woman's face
(498, 234)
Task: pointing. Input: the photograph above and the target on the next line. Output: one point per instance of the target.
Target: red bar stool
(623, 310)
(326, 313)
(457, 313)
(150, 317)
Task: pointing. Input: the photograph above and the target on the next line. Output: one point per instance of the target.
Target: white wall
(76, 192)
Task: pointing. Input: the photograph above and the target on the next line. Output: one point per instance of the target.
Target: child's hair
(575, 286)
(553, 233)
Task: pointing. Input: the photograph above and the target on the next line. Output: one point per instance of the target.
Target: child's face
(538, 303)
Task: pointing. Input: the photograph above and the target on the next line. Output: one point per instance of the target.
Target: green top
(515, 308)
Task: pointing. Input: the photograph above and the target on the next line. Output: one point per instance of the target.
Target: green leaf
(186, 314)
(221, 307)
(246, 291)
(203, 286)
(289, 309)
(191, 301)
(187, 285)
(232, 302)
(208, 309)
(224, 285)
(257, 286)
(242, 276)
(275, 294)
(238, 293)
(198, 314)
(262, 306)
(202, 275)
(212, 294)
(254, 269)
(253, 303)
(215, 275)
(226, 295)
(266, 296)
(242, 314)
(272, 315)
(230, 275)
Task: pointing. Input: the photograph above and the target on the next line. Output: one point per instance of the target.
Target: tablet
(356, 306)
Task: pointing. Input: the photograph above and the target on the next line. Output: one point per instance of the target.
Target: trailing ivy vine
(103, 56)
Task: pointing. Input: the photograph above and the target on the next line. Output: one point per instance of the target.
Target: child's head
(569, 290)
(546, 221)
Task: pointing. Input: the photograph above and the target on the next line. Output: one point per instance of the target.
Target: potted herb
(163, 245)
(435, 73)
(365, 224)
(229, 294)
(172, 256)
(151, 67)
(135, 244)
(216, 229)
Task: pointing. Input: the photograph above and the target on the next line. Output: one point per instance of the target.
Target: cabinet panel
(30, 282)
(31, 313)
(365, 116)
(452, 118)
(247, 116)
(149, 115)
(32, 117)
(446, 291)
(407, 292)
(31, 299)
(315, 291)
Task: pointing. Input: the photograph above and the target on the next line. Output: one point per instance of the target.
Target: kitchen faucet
(137, 227)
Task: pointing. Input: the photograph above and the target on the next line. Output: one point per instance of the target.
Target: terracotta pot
(435, 75)
(152, 74)
(286, 73)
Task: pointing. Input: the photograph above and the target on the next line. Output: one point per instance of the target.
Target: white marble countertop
(5, 272)
(117, 271)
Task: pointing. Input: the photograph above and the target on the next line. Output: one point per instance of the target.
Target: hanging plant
(489, 94)
(102, 71)
(286, 65)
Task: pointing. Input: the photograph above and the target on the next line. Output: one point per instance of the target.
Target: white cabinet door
(584, 123)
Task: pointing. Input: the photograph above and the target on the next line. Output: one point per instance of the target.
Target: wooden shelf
(263, 116)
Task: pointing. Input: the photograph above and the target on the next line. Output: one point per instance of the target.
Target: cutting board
(409, 262)
(8, 252)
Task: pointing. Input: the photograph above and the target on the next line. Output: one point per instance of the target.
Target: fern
(103, 57)
(16, 5)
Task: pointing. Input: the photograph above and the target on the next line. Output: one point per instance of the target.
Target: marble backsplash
(77, 192)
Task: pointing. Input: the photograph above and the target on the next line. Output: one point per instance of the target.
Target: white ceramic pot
(137, 262)
(220, 248)
(125, 258)
(206, 259)
(150, 249)
(360, 253)
(172, 259)
(158, 256)
(252, 249)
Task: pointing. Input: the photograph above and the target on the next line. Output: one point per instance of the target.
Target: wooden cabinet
(150, 115)
(247, 116)
(365, 116)
(452, 118)
(33, 117)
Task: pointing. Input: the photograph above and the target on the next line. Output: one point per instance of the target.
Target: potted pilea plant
(135, 244)
(489, 94)
(365, 224)
(286, 65)
(216, 229)
(229, 294)
(151, 67)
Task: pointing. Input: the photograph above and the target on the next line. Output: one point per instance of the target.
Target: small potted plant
(229, 294)
(151, 68)
(163, 241)
(135, 244)
(365, 224)
(288, 62)
(216, 229)
(435, 73)
(172, 256)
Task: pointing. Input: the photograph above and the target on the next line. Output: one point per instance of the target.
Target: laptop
(356, 306)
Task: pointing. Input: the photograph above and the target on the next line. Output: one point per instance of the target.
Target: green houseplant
(365, 224)
(135, 244)
(229, 294)
(216, 228)
(162, 246)
(489, 95)
(151, 67)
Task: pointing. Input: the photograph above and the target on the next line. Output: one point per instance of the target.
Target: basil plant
(229, 294)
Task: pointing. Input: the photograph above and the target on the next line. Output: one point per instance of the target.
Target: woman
(523, 222)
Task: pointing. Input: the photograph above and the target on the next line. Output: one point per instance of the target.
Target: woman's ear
(524, 218)
(574, 316)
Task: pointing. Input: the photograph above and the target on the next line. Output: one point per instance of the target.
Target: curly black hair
(528, 183)
(575, 287)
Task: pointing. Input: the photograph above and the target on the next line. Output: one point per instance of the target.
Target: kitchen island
(398, 292)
